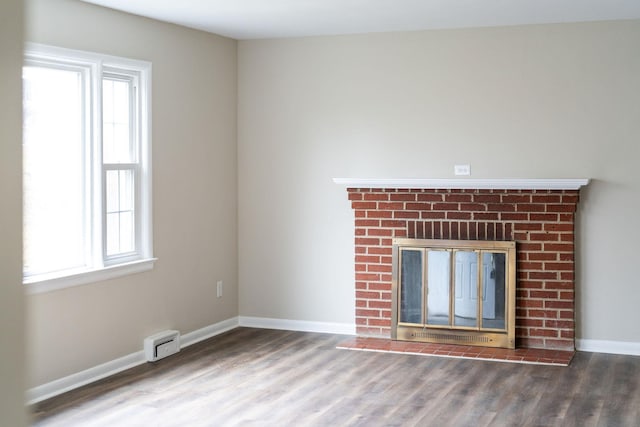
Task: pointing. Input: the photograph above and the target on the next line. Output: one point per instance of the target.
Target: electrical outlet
(462, 169)
(219, 289)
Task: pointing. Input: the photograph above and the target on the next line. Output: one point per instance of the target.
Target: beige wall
(194, 195)
(12, 322)
(552, 101)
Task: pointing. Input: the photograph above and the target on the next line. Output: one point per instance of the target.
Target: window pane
(126, 232)
(126, 190)
(120, 222)
(112, 191)
(116, 121)
(113, 233)
(53, 174)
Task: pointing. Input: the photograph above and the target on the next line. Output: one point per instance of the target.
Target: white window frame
(101, 267)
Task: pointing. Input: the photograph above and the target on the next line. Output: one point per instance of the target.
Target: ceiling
(257, 19)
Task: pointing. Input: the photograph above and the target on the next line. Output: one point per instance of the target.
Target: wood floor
(257, 377)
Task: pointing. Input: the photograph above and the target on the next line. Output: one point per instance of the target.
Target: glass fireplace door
(452, 288)
(438, 287)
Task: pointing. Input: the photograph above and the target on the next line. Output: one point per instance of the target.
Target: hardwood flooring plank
(257, 377)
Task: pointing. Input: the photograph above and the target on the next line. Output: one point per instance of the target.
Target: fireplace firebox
(454, 292)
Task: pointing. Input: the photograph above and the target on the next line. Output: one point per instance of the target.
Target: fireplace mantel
(464, 183)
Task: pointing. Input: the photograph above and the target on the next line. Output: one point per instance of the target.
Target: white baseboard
(62, 385)
(611, 347)
(208, 332)
(298, 325)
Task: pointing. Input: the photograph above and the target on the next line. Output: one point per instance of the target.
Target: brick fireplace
(539, 215)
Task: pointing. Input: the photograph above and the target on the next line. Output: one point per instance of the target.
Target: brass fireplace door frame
(451, 333)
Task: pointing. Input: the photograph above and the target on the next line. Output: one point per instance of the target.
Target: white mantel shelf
(464, 183)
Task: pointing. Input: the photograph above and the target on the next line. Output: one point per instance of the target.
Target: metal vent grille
(452, 337)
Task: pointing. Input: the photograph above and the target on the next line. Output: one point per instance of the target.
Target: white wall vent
(162, 344)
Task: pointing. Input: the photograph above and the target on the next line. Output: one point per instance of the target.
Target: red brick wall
(540, 221)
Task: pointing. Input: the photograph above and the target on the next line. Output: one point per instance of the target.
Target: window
(87, 171)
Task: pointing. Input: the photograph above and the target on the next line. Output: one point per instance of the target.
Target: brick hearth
(540, 221)
(533, 356)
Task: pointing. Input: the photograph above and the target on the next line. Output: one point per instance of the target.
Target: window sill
(40, 284)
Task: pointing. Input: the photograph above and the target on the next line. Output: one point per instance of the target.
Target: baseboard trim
(208, 332)
(611, 347)
(73, 381)
(298, 325)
